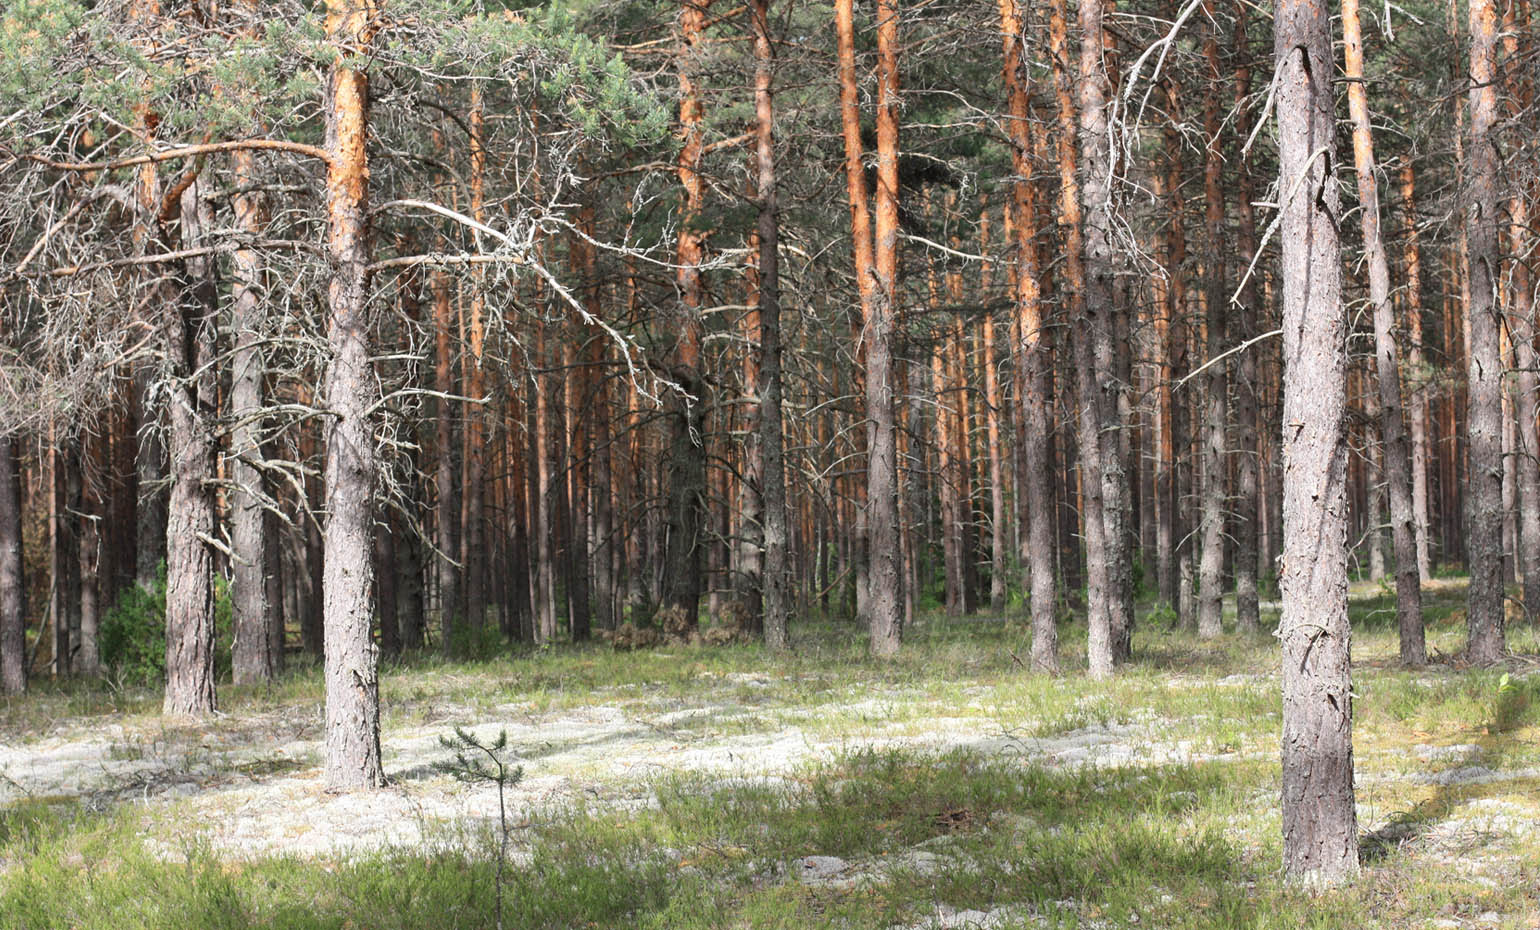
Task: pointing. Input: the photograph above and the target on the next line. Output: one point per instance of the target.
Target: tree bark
(776, 585)
(1484, 423)
(884, 579)
(88, 478)
(1320, 829)
(1397, 453)
(1418, 380)
(1248, 510)
(1521, 327)
(13, 641)
(876, 257)
(352, 659)
(1072, 202)
(188, 327)
(1211, 565)
(1031, 353)
(998, 524)
(446, 541)
(253, 658)
(686, 543)
(473, 539)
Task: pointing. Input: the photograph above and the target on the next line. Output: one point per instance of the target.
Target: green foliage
(33, 35)
(132, 636)
(537, 50)
(1163, 616)
(477, 760)
(477, 643)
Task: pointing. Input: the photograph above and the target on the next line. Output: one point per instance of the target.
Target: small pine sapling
(478, 761)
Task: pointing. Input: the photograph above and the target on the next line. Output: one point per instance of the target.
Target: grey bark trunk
(1484, 420)
(13, 642)
(1211, 566)
(150, 465)
(273, 580)
(1320, 829)
(1248, 512)
(1396, 450)
(776, 575)
(1101, 309)
(188, 325)
(253, 658)
(87, 480)
(351, 392)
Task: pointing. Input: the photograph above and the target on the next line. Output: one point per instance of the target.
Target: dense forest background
(384, 327)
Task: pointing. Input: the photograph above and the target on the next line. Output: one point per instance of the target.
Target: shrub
(132, 636)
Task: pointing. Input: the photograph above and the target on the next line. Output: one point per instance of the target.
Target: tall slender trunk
(447, 511)
(1211, 566)
(1521, 324)
(885, 582)
(1320, 829)
(876, 259)
(189, 323)
(1100, 649)
(776, 586)
(686, 540)
(1177, 493)
(1397, 454)
(1484, 493)
(473, 538)
(273, 580)
(595, 434)
(579, 561)
(1418, 379)
(92, 516)
(998, 524)
(352, 659)
(545, 556)
(253, 658)
(13, 642)
(1247, 509)
(1031, 352)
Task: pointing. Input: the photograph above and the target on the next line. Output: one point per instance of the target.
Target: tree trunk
(885, 583)
(91, 474)
(446, 540)
(545, 556)
(1072, 202)
(473, 539)
(13, 641)
(1320, 828)
(776, 585)
(1484, 424)
(253, 657)
(188, 326)
(1247, 509)
(1418, 379)
(386, 570)
(1031, 353)
(1397, 454)
(883, 597)
(273, 579)
(352, 659)
(686, 542)
(992, 406)
(1521, 326)
(1211, 566)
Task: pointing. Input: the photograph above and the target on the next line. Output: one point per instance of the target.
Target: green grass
(1170, 844)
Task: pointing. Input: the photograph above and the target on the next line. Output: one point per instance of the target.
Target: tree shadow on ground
(1462, 783)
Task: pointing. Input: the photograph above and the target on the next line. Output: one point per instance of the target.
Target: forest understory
(697, 786)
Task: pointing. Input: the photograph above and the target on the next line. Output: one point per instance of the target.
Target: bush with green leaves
(132, 636)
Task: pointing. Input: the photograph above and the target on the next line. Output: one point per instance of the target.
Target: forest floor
(686, 787)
